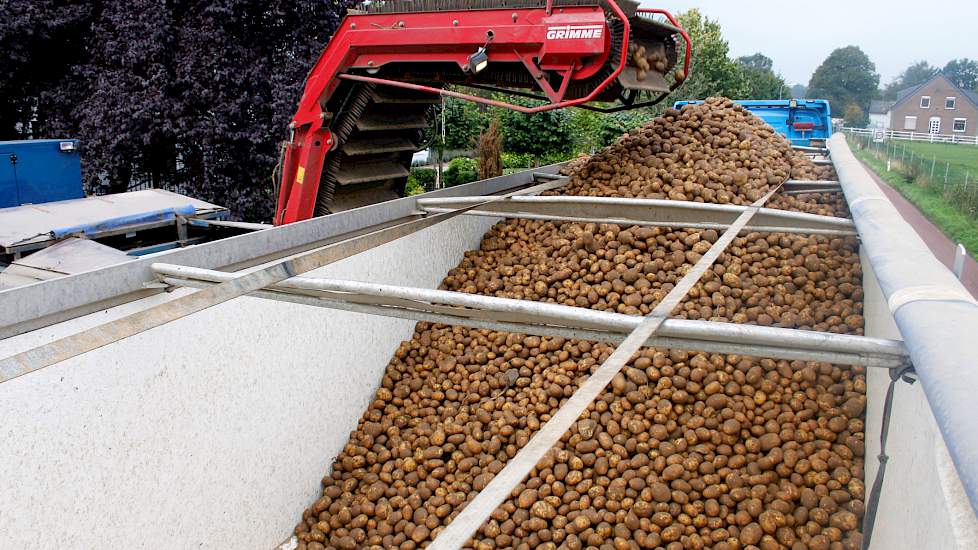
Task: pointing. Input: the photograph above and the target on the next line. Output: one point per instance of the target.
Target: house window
(910, 123)
(934, 126)
(960, 124)
(949, 102)
(925, 102)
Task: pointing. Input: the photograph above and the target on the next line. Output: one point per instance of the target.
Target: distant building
(937, 106)
(879, 114)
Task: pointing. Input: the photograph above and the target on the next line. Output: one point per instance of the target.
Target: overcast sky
(798, 36)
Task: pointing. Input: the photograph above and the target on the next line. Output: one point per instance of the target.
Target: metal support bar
(545, 176)
(816, 150)
(234, 225)
(528, 317)
(797, 187)
(646, 212)
(814, 190)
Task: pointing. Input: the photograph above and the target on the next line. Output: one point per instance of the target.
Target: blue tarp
(123, 221)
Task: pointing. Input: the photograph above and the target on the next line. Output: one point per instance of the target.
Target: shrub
(420, 180)
(517, 160)
(489, 151)
(461, 170)
(425, 177)
(412, 187)
(553, 158)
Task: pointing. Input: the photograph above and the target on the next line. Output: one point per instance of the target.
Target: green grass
(958, 154)
(957, 226)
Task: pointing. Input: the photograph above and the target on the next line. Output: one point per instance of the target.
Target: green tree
(712, 71)
(855, 117)
(538, 134)
(464, 122)
(592, 130)
(846, 77)
(461, 170)
(758, 62)
(799, 91)
(962, 72)
(918, 73)
(762, 83)
(586, 128)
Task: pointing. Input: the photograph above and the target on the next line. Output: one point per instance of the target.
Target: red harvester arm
(569, 44)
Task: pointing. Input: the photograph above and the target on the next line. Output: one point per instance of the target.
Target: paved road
(939, 244)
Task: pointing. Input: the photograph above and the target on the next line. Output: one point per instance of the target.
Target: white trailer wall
(211, 431)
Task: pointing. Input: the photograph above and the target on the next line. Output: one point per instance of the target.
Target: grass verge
(957, 226)
(959, 155)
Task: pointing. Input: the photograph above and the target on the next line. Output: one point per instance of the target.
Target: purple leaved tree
(193, 96)
(42, 43)
(240, 71)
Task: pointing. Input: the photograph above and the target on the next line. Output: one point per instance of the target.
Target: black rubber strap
(872, 503)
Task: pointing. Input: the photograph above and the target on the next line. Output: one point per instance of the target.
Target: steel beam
(644, 212)
(797, 187)
(529, 317)
(814, 150)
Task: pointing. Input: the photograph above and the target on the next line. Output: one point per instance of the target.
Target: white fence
(912, 136)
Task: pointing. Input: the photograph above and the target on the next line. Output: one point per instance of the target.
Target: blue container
(802, 121)
(39, 171)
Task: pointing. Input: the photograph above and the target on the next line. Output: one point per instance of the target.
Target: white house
(879, 114)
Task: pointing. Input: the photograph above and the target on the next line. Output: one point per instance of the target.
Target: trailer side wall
(208, 432)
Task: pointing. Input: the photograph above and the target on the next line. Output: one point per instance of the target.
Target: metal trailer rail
(266, 265)
(541, 318)
(936, 315)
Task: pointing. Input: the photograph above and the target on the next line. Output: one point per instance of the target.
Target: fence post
(967, 176)
(933, 165)
(947, 170)
(959, 256)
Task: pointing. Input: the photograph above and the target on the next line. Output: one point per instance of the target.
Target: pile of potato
(683, 450)
(716, 152)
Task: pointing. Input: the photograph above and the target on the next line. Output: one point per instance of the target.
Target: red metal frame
(682, 32)
(367, 42)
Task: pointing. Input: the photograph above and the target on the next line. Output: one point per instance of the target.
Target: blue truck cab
(39, 170)
(805, 122)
